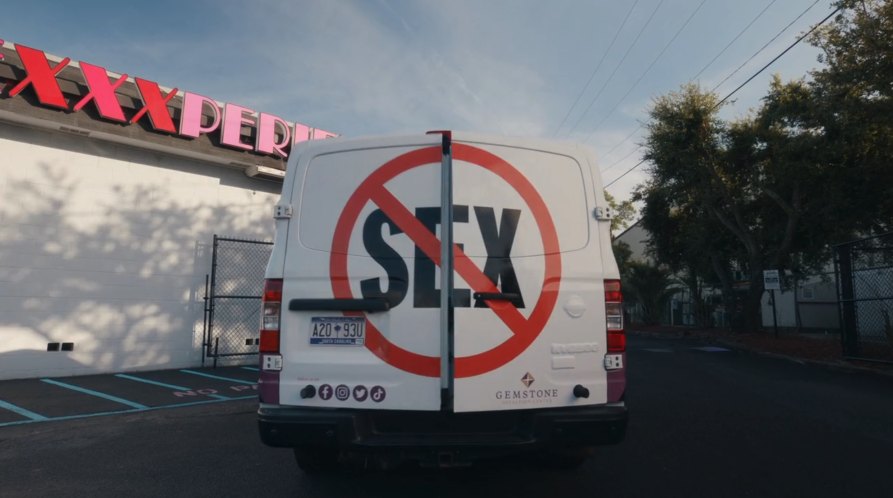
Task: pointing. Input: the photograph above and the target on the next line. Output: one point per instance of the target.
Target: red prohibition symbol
(524, 330)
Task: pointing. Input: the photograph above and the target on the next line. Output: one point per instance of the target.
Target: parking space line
(240, 381)
(153, 382)
(95, 393)
(21, 411)
(253, 369)
(134, 410)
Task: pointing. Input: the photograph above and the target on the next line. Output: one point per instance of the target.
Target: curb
(839, 365)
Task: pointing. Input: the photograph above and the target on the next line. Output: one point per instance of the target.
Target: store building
(112, 190)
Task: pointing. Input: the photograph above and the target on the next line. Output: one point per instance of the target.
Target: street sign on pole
(772, 283)
(771, 280)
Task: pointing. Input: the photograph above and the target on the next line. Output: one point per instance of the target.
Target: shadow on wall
(114, 264)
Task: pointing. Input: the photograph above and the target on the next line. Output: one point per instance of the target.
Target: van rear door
(529, 314)
(358, 321)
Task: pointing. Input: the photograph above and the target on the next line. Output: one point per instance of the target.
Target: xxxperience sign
(274, 135)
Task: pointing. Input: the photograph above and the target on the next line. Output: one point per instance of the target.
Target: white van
(395, 328)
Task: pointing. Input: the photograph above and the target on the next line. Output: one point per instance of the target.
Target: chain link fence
(233, 297)
(865, 292)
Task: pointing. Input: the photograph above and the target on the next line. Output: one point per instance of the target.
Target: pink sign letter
(266, 135)
(191, 115)
(233, 118)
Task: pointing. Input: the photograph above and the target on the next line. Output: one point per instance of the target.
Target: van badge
(527, 380)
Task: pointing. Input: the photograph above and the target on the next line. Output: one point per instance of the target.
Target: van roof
(536, 143)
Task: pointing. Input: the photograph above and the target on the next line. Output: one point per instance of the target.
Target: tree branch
(737, 231)
(783, 204)
(793, 212)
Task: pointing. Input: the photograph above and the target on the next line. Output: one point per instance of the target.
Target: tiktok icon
(377, 393)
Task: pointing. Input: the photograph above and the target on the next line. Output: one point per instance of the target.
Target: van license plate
(338, 331)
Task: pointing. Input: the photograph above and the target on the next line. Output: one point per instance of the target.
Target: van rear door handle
(497, 296)
(367, 304)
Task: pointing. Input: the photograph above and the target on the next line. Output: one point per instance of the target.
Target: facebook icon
(325, 392)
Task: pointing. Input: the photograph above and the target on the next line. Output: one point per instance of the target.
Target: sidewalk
(812, 348)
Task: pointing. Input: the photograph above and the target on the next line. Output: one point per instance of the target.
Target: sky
(585, 71)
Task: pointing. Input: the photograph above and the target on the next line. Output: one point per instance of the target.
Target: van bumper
(479, 433)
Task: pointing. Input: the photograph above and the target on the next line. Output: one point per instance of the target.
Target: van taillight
(614, 316)
(271, 306)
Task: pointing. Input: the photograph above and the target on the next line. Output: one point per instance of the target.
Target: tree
(623, 255)
(650, 287)
(808, 168)
(798, 175)
(731, 188)
(684, 238)
(853, 95)
(624, 212)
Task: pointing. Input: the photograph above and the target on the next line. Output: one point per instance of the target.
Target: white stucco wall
(107, 246)
(637, 239)
(815, 300)
(784, 306)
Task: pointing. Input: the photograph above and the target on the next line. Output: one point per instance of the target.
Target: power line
(766, 45)
(625, 173)
(648, 69)
(792, 45)
(615, 163)
(622, 59)
(624, 140)
(597, 67)
(804, 35)
(717, 56)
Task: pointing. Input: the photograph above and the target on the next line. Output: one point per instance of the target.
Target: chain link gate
(232, 297)
(864, 271)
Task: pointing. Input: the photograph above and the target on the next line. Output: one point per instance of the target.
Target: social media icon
(325, 392)
(360, 393)
(377, 393)
(342, 392)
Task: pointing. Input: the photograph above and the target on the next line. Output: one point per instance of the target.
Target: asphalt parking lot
(30, 401)
(704, 421)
